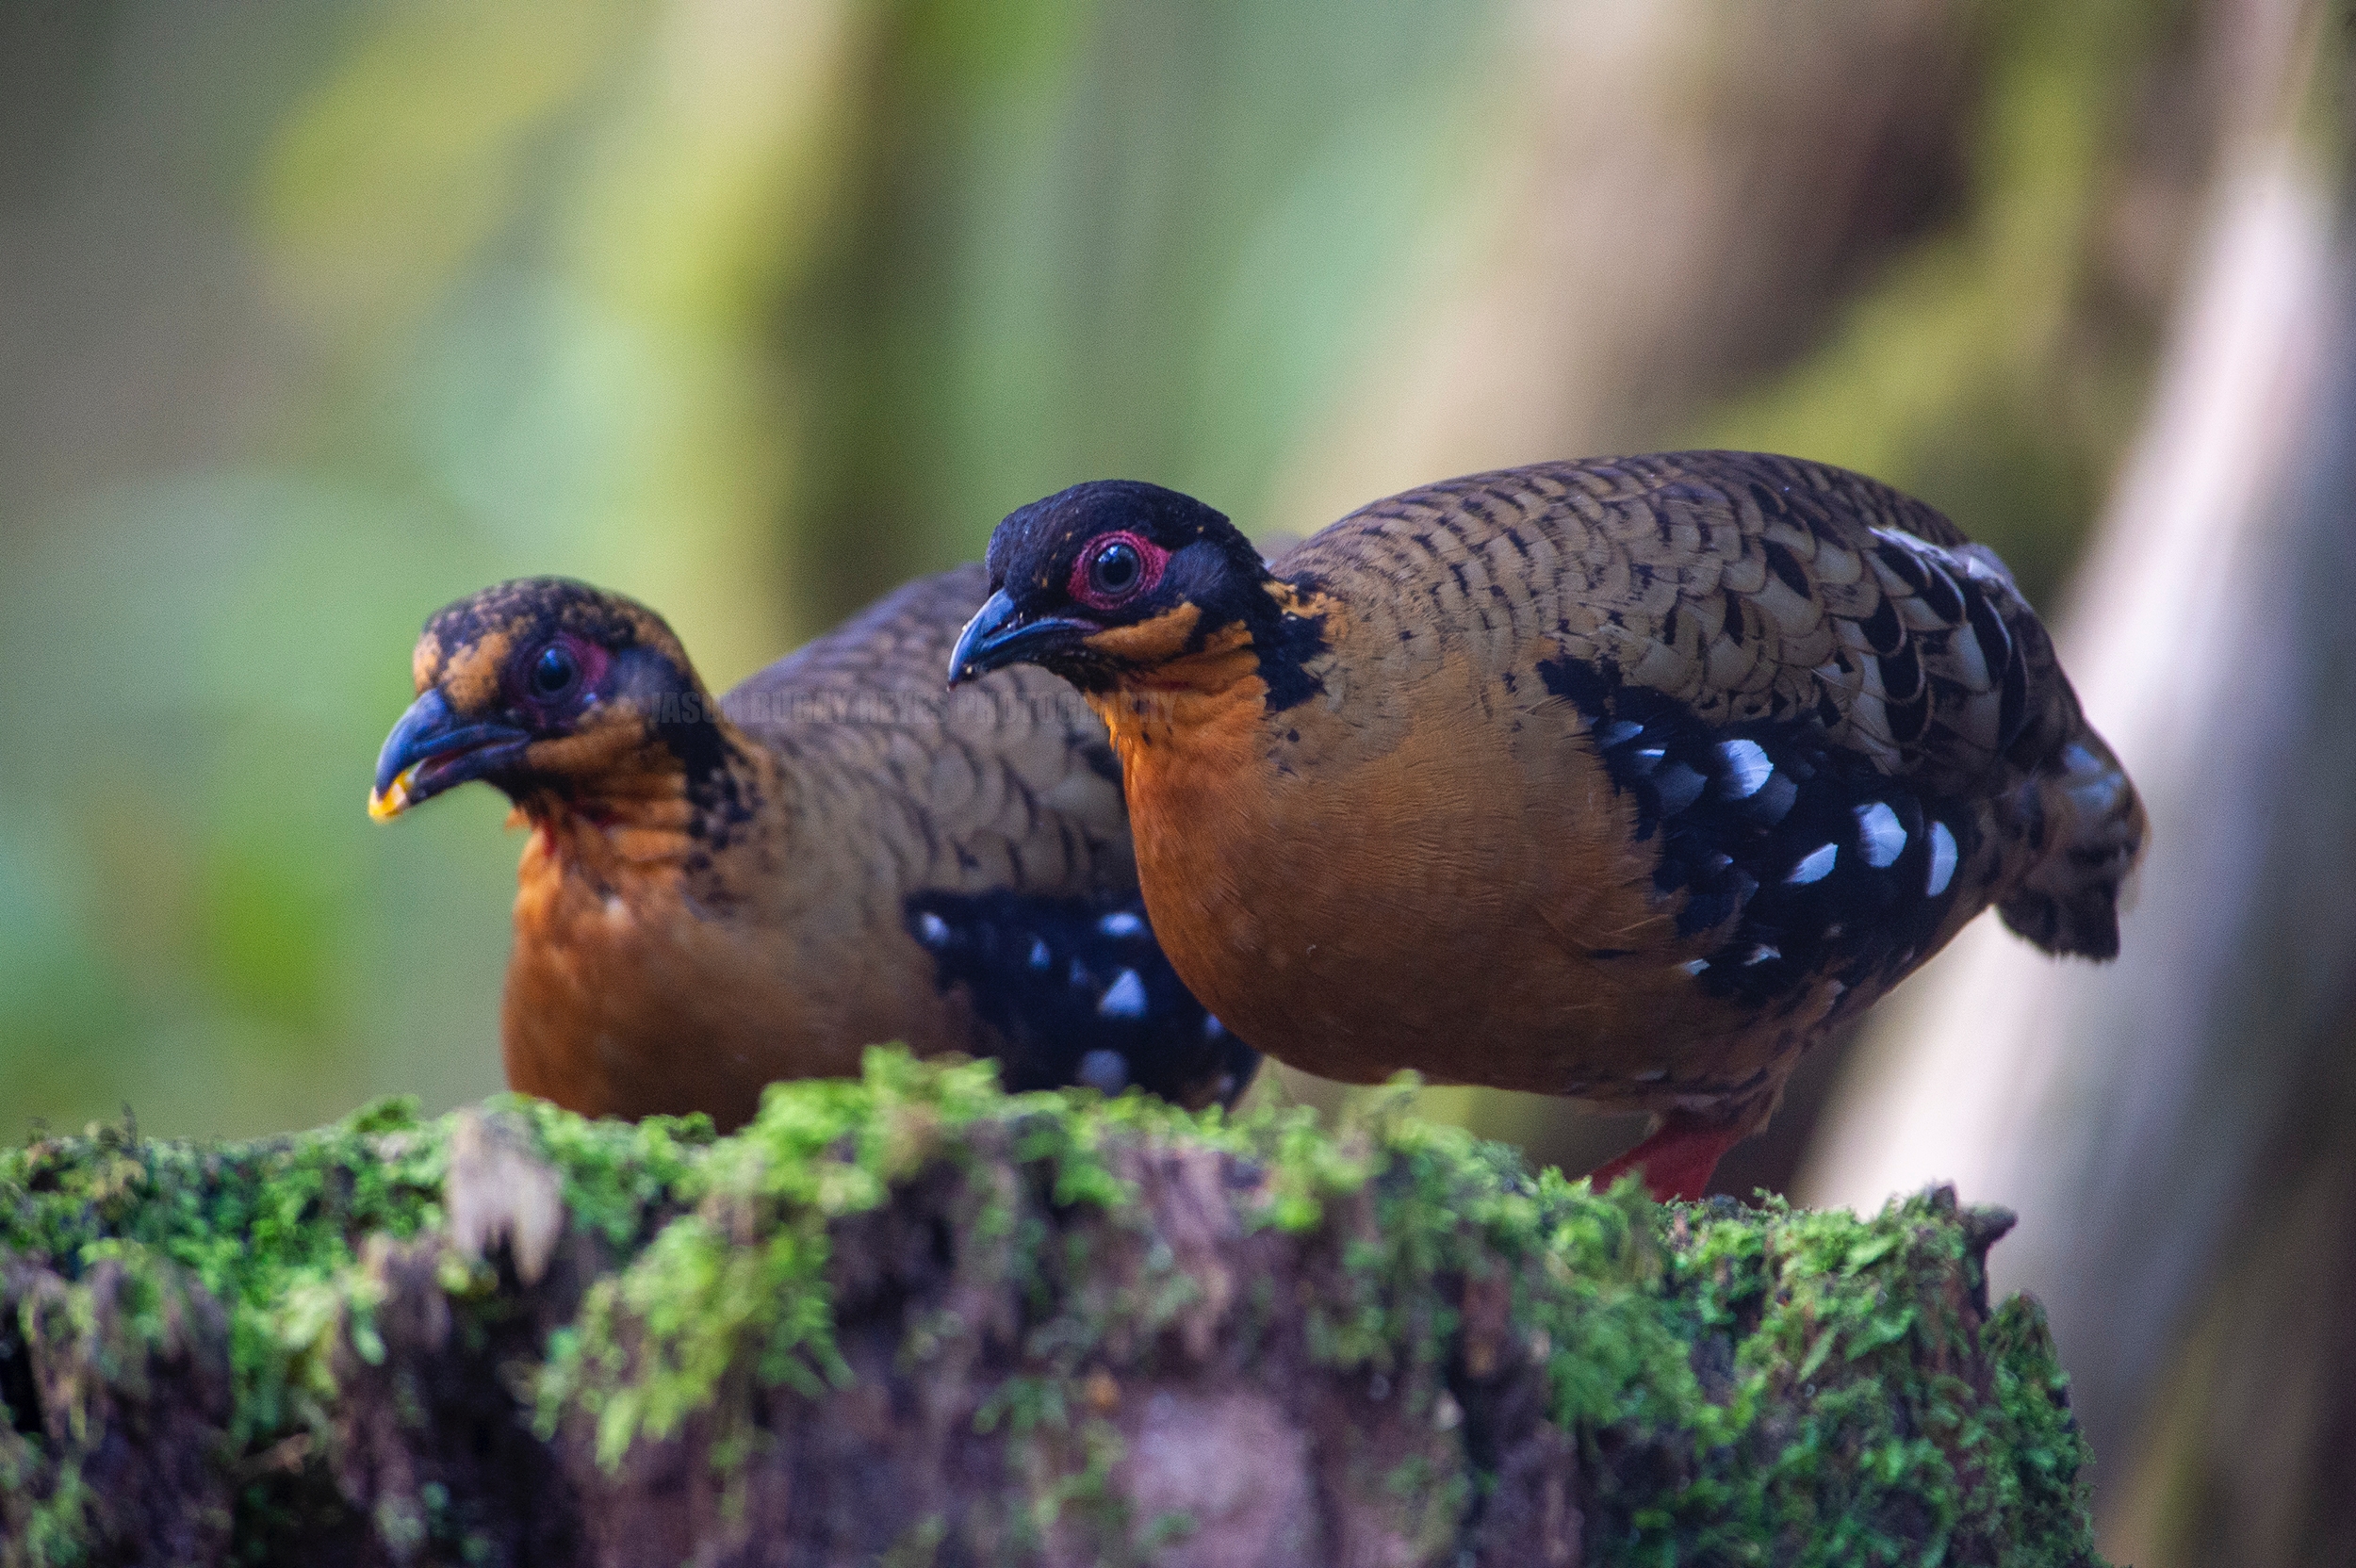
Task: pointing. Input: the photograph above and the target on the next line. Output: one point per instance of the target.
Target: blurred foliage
(1133, 239)
(1999, 368)
(316, 315)
(321, 316)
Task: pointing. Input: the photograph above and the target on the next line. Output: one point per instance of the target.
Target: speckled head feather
(1135, 575)
(466, 646)
(1034, 549)
(546, 685)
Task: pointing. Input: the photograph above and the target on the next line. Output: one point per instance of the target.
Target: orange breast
(623, 999)
(1444, 882)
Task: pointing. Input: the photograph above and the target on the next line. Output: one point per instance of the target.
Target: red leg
(1677, 1160)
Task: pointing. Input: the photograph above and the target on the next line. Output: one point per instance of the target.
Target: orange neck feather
(624, 816)
(1171, 704)
(1174, 694)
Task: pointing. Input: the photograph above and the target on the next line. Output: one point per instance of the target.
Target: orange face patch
(1177, 679)
(469, 677)
(425, 661)
(606, 743)
(1148, 644)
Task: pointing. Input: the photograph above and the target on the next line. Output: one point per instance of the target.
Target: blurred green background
(316, 316)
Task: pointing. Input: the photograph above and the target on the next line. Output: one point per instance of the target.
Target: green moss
(1782, 1368)
(1742, 1385)
(270, 1229)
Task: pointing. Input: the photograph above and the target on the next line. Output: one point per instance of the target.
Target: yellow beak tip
(389, 803)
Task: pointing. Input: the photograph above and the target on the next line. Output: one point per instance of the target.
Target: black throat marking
(1806, 859)
(1285, 643)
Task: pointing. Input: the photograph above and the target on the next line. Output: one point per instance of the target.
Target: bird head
(542, 687)
(1106, 579)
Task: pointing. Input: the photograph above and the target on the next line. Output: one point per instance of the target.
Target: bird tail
(2093, 833)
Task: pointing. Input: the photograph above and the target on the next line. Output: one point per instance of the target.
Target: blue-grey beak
(998, 635)
(429, 751)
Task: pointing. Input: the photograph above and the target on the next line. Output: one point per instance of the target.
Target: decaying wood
(912, 1320)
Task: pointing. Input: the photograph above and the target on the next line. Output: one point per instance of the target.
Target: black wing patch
(1807, 859)
(1078, 991)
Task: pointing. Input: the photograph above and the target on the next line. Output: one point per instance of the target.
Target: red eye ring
(1097, 576)
(528, 678)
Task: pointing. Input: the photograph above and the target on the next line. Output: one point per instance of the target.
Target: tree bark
(911, 1320)
(2210, 643)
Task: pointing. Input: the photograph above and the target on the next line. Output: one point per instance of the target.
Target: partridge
(716, 894)
(1622, 780)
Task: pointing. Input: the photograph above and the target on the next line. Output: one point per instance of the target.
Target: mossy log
(910, 1319)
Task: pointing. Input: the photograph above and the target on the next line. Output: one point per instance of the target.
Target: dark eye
(554, 673)
(1116, 568)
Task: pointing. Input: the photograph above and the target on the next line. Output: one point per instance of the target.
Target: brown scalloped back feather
(1754, 587)
(1006, 783)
